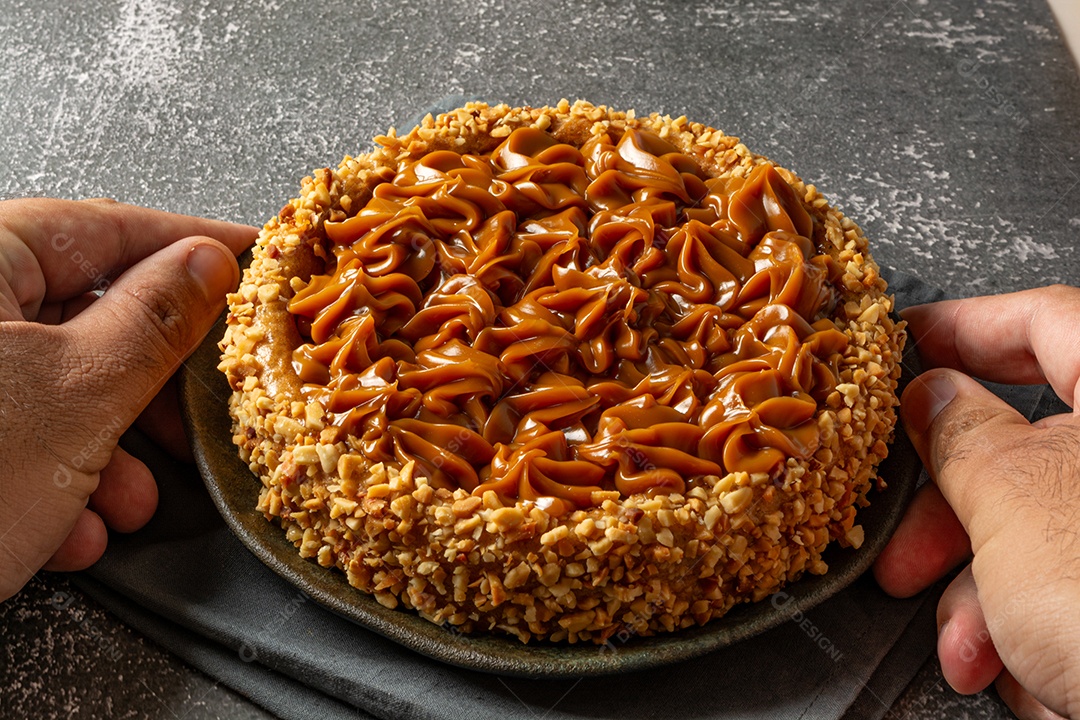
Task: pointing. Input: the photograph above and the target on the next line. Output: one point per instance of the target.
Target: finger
(54, 313)
(1019, 338)
(84, 545)
(964, 434)
(161, 422)
(126, 496)
(929, 542)
(123, 349)
(969, 660)
(1020, 701)
(61, 248)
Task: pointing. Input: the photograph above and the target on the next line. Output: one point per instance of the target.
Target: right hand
(1006, 492)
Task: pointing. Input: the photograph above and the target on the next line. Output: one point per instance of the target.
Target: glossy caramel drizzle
(550, 321)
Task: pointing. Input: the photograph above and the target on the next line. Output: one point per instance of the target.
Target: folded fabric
(186, 582)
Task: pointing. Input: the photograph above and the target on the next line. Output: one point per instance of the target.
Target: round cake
(563, 372)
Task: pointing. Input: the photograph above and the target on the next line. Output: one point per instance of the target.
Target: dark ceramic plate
(204, 397)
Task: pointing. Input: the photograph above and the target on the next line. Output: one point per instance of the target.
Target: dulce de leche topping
(558, 324)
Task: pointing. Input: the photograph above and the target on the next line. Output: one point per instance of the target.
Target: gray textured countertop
(946, 129)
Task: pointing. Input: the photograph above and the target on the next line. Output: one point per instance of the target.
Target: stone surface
(929, 696)
(945, 128)
(65, 657)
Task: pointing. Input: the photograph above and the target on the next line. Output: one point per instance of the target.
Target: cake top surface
(567, 323)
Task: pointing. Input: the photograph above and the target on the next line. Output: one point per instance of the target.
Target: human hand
(78, 369)
(1006, 491)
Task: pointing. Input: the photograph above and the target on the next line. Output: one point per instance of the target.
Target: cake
(562, 372)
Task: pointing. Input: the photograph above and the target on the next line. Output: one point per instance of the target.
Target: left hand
(77, 369)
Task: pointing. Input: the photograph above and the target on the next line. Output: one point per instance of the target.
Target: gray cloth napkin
(186, 582)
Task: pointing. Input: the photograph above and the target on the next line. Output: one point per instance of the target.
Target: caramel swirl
(558, 323)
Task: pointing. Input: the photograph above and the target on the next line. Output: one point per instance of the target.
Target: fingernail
(937, 391)
(212, 271)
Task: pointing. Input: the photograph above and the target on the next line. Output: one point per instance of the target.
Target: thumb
(972, 444)
(128, 343)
